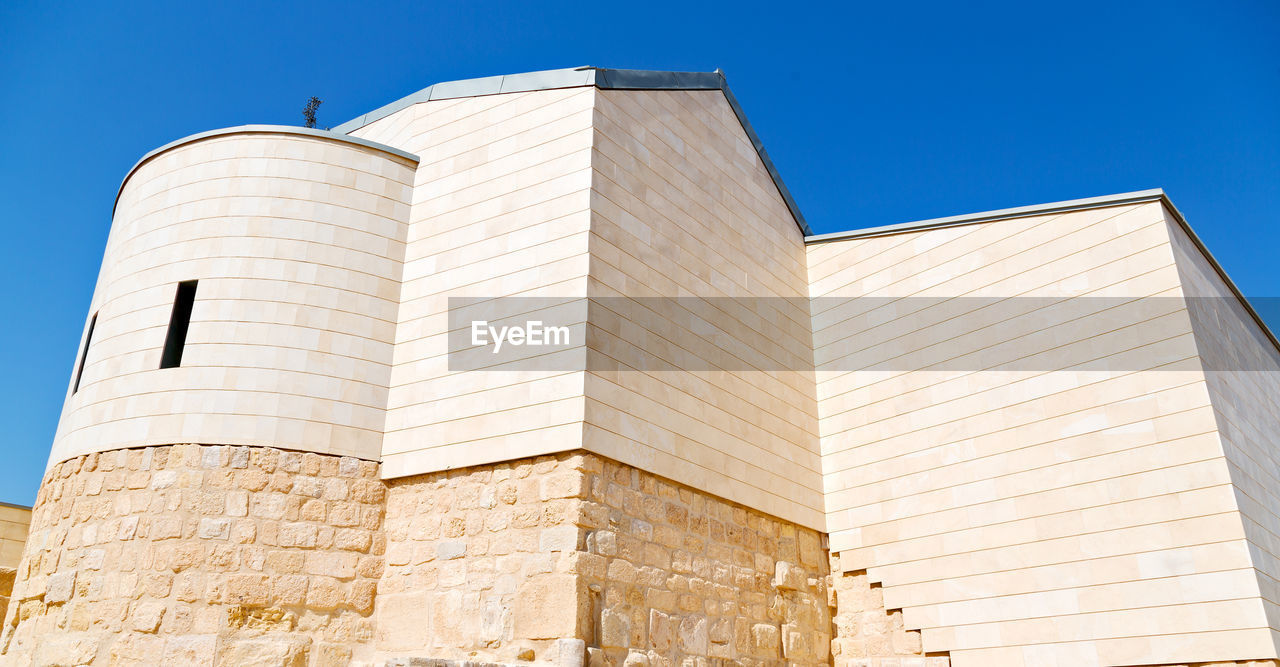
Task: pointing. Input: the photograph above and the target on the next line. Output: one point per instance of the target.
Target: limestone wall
(296, 241)
(482, 562)
(1058, 510)
(1242, 372)
(199, 554)
(539, 558)
(713, 389)
(500, 209)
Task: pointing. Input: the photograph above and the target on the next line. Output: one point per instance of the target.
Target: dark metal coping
(260, 129)
(14, 506)
(1138, 197)
(605, 79)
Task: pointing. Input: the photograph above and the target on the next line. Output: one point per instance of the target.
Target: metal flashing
(602, 78)
(1138, 197)
(260, 129)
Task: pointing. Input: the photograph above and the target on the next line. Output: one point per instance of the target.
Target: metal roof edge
(602, 78)
(14, 506)
(1121, 199)
(259, 129)
(1222, 273)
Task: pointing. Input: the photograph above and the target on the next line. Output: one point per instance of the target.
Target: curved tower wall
(297, 241)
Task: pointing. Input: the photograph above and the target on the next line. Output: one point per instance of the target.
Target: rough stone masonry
(192, 554)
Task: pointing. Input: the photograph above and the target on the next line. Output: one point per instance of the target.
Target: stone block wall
(482, 563)
(677, 576)
(867, 634)
(192, 554)
(539, 559)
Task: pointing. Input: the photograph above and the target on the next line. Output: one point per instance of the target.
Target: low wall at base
(540, 559)
(207, 555)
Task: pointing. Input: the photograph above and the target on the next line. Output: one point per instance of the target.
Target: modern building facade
(1038, 436)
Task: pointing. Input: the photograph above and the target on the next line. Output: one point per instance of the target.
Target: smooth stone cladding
(748, 481)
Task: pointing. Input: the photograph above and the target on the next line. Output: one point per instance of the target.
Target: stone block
(59, 587)
(403, 621)
(550, 606)
(146, 616)
(190, 650)
(449, 550)
(266, 652)
(693, 635)
(789, 577)
(558, 538)
(214, 529)
(571, 652)
(765, 640)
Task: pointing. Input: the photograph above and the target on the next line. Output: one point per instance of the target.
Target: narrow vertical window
(179, 320)
(84, 352)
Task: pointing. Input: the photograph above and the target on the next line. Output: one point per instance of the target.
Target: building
(14, 523)
(1038, 436)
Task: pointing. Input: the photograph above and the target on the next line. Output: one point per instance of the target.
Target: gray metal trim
(14, 505)
(605, 79)
(1138, 197)
(260, 129)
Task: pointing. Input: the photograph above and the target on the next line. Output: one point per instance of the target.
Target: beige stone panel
(1083, 458)
(1076, 409)
(544, 440)
(977, 257)
(297, 243)
(1198, 648)
(1042, 260)
(1204, 558)
(1242, 373)
(1129, 476)
(15, 522)
(500, 210)
(982, 500)
(886, 385)
(683, 208)
(992, 332)
(1188, 589)
(1121, 624)
(1113, 516)
(693, 188)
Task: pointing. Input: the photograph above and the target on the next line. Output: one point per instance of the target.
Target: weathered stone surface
(266, 652)
(154, 556)
(283, 559)
(789, 577)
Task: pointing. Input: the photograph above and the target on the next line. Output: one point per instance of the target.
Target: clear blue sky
(875, 113)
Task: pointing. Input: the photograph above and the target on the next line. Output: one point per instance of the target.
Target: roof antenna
(309, 111)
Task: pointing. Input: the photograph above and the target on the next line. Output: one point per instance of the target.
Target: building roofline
(577, 77)
(259, 129)
(1121, 199)
(14, 506)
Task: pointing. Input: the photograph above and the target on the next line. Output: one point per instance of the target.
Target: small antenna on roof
(309, 111)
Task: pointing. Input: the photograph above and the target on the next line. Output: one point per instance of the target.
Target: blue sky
(874, 114)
